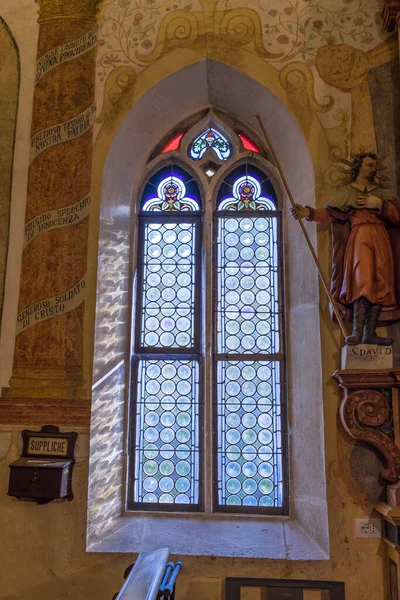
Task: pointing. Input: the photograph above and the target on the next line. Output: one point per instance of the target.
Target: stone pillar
(49, 358)
(390, 16)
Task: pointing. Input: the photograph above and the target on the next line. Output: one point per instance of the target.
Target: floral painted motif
(300, 27)
(129, 27)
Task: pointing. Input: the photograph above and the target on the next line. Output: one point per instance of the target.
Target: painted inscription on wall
(52, 307)
(69, 130)
(66, 52)
(54, 219)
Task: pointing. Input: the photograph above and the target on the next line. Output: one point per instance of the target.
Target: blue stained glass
(210, 139)
(171, 196)
(247, 196)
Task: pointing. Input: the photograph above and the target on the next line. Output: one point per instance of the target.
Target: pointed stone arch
(121, 152)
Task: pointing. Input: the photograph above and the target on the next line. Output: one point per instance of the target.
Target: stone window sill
(210, 536)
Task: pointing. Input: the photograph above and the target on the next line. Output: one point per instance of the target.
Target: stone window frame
(209, 189)
(303, 535)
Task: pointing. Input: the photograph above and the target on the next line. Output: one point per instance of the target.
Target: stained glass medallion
(171, 196)
(246, 195)
(210, 139)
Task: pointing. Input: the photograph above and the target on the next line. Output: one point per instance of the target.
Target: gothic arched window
(207, 385)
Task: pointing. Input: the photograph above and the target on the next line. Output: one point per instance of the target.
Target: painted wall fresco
(296, 29)
(9, 84)
(322, 50)
(128, 30)
(289, 30)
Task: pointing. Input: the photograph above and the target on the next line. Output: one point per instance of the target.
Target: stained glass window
(173, 144)
(167, 453)
(166, 364)
(246, 416)
(171, 196)
(210, 139)
(248, 352)
(248, 143)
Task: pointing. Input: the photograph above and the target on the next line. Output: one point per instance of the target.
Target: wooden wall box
(39, 478)
(44, 471)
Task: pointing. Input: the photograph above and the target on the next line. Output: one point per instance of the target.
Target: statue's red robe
(366, 249)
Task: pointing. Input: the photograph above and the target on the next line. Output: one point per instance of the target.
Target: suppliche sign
(44, 470)
(49, 441)
(44, 446)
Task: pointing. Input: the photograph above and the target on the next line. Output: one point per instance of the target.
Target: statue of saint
(365, 250)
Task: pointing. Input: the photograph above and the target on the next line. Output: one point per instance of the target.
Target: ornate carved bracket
(362, 413)
(390, 13)
(370, 413)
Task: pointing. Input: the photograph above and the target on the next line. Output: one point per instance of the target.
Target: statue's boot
(371, 321)
(360, 307)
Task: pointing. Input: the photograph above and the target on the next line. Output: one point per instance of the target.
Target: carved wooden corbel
(369, 413)
(363, 413)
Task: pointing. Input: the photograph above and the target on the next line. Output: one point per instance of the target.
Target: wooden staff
(292, 202)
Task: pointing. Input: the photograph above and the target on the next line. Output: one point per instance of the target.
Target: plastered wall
(43, 547)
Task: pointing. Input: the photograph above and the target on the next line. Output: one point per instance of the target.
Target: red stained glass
(248, 144)
(173, 144)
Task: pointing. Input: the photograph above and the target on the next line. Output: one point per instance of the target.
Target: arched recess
(304, 535)
(9, 85)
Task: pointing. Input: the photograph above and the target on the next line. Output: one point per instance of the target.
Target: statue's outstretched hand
(299, 212)
(369, 202)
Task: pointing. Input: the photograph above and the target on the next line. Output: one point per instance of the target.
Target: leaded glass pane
(167, 432)
(171, 197)
(168, 289)
(247, 196)
(248, 291)
(210, 139)
(249, 434)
